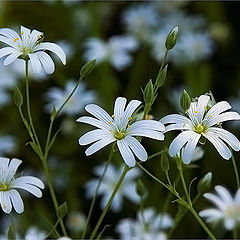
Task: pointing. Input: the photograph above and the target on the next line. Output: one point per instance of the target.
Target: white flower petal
(218, 108)
(226, 136)
(126, 153)
(201, 105)
(6, 51)
(28, 180)
(94, 122)
(9, 41)
(100, 144)
(5, 201)
(93, 136)
(136, 147)
(215, 200)
(237, 197)
(4, 162)
(148, 124)
(46, 62)
(53, 48)
(9, 33)
(188, 150)
(12, 168)
(211, 214)
(131, 107)
(174, 118)
(221, 147)
(119, 107)
(180, 141)
(35, 62)
(11, 58)
(146, 133)
(25, 32)
(180, 126)
(224, 194)
(16, 200)
(223, 117)
(229, 223)
(30, 188)
(99, 113)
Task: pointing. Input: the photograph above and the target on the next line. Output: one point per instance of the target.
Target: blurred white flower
(227, 208)
(149, 225)
(139, 20)
(76, 221)
(116, 51)
(202, 122)
(67, 47)
(56, 97)
(235, 103)
(7, 144)
(29, 46)
(108, 183)
(120, 129)
(33, 233)
(9, 196)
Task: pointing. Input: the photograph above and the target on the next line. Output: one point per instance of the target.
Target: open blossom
(148, 226)
(120, 128)
(116, 51)
(29, 46)
(202, 122)
(109, 181)
(228, 208)
(56, 97)
(9, 196)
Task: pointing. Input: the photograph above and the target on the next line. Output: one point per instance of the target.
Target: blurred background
(127, 41)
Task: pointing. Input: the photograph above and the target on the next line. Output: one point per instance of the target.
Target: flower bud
(140, 188)
(18, 99)
(161, 77)
(171, 39)
(164, 162)
(62, 210)
(87, 68)
(205, 183)
(185, 101)
(148, 93)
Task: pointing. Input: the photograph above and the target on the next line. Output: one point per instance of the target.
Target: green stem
(157, 154)
(235, 170)
(53, 229)
(96, 192)
(28, 107)
(126, 169)
(235, 233)
(201, 223)
(178, 196)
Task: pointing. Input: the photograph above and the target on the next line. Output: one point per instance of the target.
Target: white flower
(76, 221)
(29, 45)
(202, 122)
(127, 189)
(9, 196)
(140, 20)
(56, 97)
(116, 50)
(7, 144)
(121, 129)
(34, 233)
(228, 208)
(148, 226)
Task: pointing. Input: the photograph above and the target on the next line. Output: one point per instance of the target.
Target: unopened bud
(140, 188)
(171, 39)
(185, 101)
(148, 92)
(205, 183)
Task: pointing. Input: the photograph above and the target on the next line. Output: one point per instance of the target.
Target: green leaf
(62, 210)
(161, 77)
(171, 39)
(18, 99)
(185, 101)
(182, 202)
(53, 114)
(53, 138)
(87, 68)
(36, 149)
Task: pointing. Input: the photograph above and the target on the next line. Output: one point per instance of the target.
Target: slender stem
(126, 169)
(235, 233)
(201, 223)
(96, 192)
(157, 154)
(53, 229)
(28, 106)
(178, 196)
(235, 170)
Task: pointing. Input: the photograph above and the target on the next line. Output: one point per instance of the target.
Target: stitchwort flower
(29, 45)
(9, 196)
(228, 208)
(109, 181)
(148, 225)
(120, 128)
(201, 120)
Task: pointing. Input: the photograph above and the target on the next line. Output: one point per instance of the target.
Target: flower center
(119, 135)
(199, 128)
(4, 187)
(233, 211)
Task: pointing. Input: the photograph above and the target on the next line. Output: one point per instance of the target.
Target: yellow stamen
(16, 39)
(113, 116)
(130, 118)
(210, 115)
(205, 108)
(22, 33)
(110, 122)
(129, 126)
(196, 111)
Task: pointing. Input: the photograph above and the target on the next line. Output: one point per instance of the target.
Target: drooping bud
(171, 39)
(205, 183)
(185, 101)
